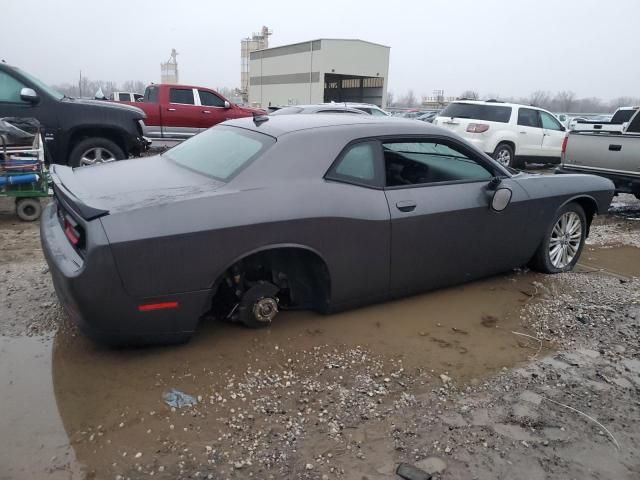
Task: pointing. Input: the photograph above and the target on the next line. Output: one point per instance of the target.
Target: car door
(12, 105)
(552, 136)
(530, 133)
(182, 117)
(212, 109)
(442, 228)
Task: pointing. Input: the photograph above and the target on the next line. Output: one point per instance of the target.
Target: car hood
(127, 185)
(104, 104)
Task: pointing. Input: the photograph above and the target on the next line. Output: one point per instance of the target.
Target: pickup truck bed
(612, 155)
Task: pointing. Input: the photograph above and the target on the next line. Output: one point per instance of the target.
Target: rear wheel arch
(301, 273)
(588, 204)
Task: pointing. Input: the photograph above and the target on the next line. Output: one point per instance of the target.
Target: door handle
(171, 109)
(206, 111)
(524, 133)
(615, 148)
(406, 206)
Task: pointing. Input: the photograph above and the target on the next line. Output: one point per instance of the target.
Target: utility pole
(80, 86)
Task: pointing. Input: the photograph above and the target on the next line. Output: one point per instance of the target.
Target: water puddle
(33, 441)
(622, 261)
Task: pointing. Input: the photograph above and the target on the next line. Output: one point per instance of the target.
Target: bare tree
(390, 99)
(540, 98)
(135, 86)
(564, 100)
(470, 95)
(408, 100)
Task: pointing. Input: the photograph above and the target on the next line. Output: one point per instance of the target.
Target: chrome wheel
(96, 155)
(504, 157)
(565, 240)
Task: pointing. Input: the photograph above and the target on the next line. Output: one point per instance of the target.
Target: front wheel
(563, 241)
(95, 150)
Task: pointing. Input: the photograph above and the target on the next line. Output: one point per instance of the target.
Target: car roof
(277, 126)
(497, 103)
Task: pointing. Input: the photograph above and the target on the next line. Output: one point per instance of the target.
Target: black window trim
(488, 163)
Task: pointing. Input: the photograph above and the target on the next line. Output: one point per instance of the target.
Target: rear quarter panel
(283, 200)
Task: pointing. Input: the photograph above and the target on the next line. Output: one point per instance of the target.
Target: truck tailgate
(616, 153)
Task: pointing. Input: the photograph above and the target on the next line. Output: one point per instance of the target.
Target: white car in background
(369, 108)
(512, 134)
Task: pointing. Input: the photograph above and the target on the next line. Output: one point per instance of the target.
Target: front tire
(94, 150)
(563, 241)
(506, 157)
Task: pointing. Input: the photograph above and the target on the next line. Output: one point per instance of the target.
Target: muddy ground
(520, 376)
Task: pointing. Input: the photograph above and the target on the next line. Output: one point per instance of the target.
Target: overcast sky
(503, 47)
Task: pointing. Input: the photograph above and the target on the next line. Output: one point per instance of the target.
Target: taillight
(477, 127)
(72, 229)
(564, 144)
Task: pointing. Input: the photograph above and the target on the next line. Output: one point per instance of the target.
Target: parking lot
(516, 376)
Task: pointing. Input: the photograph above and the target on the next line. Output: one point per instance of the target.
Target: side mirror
(29, 95)
(501, 199)
(227, 104)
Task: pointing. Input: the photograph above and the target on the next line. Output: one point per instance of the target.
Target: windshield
(41, 85)
(220, 152)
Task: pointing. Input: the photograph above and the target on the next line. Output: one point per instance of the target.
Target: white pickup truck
(620, 118)
(608, 154)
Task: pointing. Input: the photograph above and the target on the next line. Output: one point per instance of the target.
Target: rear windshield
(287, 111)
(475, 111)
(634, 126)
(622, 116)
(220, 152)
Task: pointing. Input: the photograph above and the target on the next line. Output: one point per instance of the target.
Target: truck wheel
(563, 241)
(94, 150)
(505, 155)
(28, 209)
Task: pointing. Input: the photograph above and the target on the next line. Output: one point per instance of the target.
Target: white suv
(512, 134)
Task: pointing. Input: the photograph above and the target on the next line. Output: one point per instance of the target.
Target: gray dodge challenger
(323, 212)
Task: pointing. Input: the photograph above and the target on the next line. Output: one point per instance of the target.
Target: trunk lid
(112, 187)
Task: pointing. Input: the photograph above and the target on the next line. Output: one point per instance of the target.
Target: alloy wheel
(565, 240)
(96, 155)
(504, 157)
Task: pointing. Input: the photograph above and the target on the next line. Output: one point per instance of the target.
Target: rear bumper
(92, 294)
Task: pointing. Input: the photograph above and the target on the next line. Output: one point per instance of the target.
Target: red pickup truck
(181, 111)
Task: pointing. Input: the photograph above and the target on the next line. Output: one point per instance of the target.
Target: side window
(10, 89)
(358, 165)
(209, 99)
(424, 162)
(151, 95)
(181, 95)
(549, 122)
(377, 113)
(528, 118)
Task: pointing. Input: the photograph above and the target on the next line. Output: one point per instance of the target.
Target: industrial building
(318, 71)
(257, 41)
